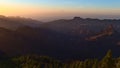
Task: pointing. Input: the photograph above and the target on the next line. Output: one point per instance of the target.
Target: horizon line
(59, 18)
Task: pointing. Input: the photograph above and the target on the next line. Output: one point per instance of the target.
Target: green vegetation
(34, 61)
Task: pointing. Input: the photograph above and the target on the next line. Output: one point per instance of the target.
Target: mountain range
(76, 38)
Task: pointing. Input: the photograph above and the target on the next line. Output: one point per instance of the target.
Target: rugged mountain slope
(27, 40)
(106, 32)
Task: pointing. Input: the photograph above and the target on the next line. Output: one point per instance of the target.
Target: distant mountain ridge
(79, 25)
(84, 25)
(14, 22)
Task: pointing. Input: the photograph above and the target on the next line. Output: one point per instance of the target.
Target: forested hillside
(36, 61)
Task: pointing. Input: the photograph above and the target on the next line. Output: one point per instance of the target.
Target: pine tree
(80, 65)
(118, 62)
(107, 61)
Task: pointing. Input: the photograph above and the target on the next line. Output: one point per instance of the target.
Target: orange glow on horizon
(49, 12)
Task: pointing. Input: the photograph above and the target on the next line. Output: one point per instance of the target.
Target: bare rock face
(106, 32)
(109, 30)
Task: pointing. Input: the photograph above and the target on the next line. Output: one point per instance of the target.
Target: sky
(46, 10)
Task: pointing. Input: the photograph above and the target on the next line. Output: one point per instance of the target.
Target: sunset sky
(57, 9)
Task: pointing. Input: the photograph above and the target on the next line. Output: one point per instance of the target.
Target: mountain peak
(77, 18)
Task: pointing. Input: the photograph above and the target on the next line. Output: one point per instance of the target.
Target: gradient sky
(57, 9)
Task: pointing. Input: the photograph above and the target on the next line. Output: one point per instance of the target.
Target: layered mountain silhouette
(74, 38)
